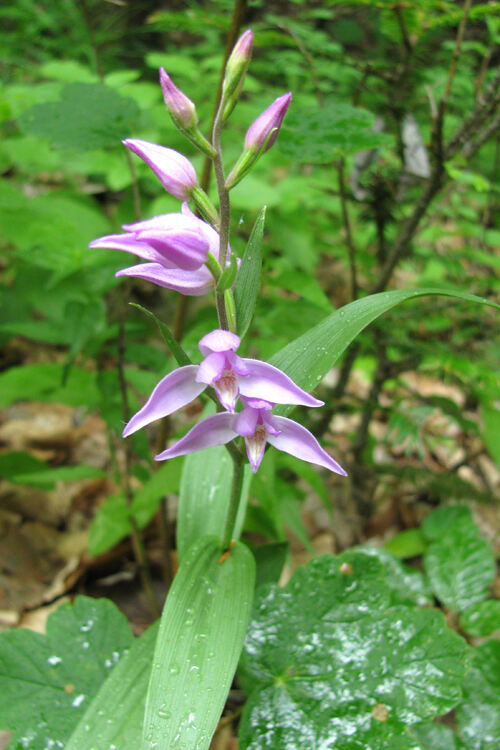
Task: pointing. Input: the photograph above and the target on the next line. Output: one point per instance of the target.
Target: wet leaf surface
(47, 681)
(329, 663)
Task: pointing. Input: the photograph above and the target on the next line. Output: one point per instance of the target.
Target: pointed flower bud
(259, 138)
(263, 132)
(181, 108)
(183, 114)
(238, 63)
(175, 172)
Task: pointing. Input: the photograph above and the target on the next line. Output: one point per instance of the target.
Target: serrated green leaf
(47, 681)
(89, 116)
(460, 564)
(201, 633)
(329, 664)
(114, 718)
(478, 716)
(247, 281)
(308, 358)
(321, 135)
(440, 521)
(204, 494)
(481, 619)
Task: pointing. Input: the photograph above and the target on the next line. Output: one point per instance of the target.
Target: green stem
(234, 500)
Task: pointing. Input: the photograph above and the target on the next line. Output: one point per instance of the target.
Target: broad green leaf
(247, 281)
(163, 481)
(436, 737)
(89, 116)
(44, 382)
(202, 629)
(481, 619)
(270, 560)
(408, 543)
(47, 681)
(460, 564)
(478, 716)
(321, 135)
(329, 663)
(111, 523)
(407, 585)
(114, 718)
(308, 358)
(491, 431)
(438, 523)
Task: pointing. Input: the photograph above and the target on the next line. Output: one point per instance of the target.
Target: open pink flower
(176, 246)
(230, 375)
(258, 426)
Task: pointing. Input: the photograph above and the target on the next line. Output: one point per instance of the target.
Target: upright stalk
(224, 210)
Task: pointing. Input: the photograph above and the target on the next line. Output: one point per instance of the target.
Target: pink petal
(271, 384)
(211, 368)
(215, 430)
(299, 442)
(175, 172)
(130, 244)
(190, 283)
(175, 390)
(218, 341)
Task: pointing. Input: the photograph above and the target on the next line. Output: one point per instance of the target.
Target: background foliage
(360, 199)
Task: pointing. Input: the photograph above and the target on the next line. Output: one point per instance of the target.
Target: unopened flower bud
(259, 138)
(238, 63)
(180, 107)
(263, 132)
(183, 114)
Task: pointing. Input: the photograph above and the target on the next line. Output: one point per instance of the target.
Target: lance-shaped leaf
(114, 718)
(202, 629)
(309, 357)
(329, 663)
(247, 281)
(204, 495)
(47, 681)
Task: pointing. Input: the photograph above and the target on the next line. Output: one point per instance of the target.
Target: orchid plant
(190, 253)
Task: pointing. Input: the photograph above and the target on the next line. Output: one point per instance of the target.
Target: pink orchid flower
(230, 375)
(258, 426)
(176, 245)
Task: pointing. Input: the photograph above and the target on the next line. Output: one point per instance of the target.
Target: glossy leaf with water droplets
(47, 681)
(329, 663)
(202, 629)
(459, 562)
(113, 721)
(478, 716)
